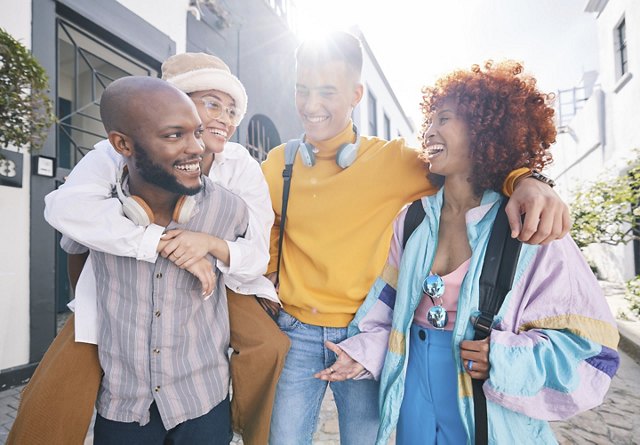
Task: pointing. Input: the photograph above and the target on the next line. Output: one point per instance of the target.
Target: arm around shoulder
(249, 254)
(83, 208)
(546, 215)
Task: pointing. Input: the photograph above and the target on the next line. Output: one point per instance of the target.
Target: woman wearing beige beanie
(258, 344)
(221, 102)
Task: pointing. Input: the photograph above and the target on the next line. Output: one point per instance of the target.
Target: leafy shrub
(607, 211)
(26, 111)
(633, 295)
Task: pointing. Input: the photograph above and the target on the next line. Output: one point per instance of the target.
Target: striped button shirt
(159, 339)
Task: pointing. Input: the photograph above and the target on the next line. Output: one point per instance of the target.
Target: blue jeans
(299, 394)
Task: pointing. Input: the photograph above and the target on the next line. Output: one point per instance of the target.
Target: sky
(416, 41)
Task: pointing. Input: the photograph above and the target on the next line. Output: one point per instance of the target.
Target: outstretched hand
(546, 215)
(344, 368)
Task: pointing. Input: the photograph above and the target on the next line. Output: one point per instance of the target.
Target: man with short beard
(70, 370)
(163, 337)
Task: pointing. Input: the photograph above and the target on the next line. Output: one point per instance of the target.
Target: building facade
(379, 112)
(598, 120)
(83, 46)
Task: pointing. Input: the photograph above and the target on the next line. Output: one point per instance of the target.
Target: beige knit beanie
(192, 72)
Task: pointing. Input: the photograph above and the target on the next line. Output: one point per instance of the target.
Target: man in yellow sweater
(337, 234)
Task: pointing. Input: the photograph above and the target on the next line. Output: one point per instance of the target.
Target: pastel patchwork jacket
(552, 349)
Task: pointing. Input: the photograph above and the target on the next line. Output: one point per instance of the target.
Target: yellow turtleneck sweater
(338, 226)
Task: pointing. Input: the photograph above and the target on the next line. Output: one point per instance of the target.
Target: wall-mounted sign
(44, 166)
(11, 168)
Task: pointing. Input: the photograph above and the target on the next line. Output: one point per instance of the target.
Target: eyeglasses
(215, 109)
(433, 286)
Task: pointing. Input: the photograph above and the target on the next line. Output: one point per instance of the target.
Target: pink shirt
(449, 301)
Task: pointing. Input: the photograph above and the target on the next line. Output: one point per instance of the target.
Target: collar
(232, 151)
(489, 198)
(473, 215)
(477, 219)
(327, 149)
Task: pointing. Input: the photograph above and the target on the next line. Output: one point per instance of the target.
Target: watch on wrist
(535, 174)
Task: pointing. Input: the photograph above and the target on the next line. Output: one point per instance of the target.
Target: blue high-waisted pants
(429, 413)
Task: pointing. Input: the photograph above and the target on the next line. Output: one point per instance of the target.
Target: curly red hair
(510, 122)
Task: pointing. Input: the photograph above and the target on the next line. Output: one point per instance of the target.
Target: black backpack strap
(498, 271)
(290, 151)
(415, 215)
(497, 276)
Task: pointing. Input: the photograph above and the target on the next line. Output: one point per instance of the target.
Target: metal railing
(568, 102)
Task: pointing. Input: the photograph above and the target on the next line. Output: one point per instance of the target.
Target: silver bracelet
(535, 174)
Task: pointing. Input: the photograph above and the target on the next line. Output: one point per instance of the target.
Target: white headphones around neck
(345, 155)
(139, 211)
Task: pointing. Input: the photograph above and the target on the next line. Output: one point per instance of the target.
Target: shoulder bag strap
(415, 215)
(290, 151)
(496, 280)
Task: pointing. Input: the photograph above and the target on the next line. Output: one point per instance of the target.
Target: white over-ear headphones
(345, 155)
(139, 211)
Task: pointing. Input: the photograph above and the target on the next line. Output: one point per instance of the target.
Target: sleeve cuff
(509, 183)
(72, 247)
(234, 253)
(358, 350)
(149, 244)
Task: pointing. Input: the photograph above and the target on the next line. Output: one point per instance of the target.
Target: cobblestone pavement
(8, 406)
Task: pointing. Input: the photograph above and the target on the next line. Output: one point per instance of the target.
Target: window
(621, 49)
(387, 127)
(262, 136)
(86, 66)
(372, 113)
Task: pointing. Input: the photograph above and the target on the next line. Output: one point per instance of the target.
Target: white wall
(604, 133)
(385, 105)
(622, 111)
(374, 82)
(14, 228)
(623, 102)
(579, 150)
(169, 16)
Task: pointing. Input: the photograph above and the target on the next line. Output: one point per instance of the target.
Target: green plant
(607, 211)
(632, 295)
(26, 111)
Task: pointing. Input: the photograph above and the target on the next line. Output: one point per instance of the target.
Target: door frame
(118, 26)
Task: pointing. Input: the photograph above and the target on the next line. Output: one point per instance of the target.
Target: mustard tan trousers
(57, 404)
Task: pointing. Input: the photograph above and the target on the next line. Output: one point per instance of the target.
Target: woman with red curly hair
(551, 352)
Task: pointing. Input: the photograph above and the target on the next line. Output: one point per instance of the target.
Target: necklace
(433, 286)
